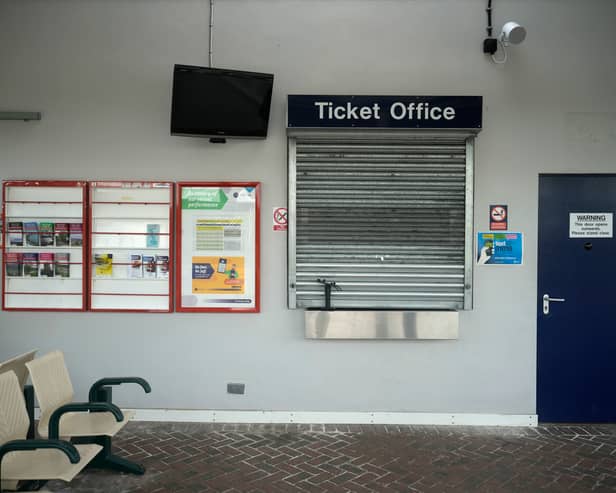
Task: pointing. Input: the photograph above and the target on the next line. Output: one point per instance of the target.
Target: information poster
(219, 224)
(499, 248)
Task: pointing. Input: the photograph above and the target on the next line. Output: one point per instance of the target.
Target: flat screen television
(215, 102)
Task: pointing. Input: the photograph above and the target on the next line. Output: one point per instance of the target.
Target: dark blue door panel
(576, 341)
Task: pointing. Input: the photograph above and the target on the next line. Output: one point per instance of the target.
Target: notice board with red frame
(131, 246)
(44, 247)
(217, 245)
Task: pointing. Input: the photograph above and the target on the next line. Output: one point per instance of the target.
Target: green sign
(203, 198)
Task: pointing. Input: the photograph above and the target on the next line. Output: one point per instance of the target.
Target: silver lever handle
(546, 303)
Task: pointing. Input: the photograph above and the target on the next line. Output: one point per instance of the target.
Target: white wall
(100, 71)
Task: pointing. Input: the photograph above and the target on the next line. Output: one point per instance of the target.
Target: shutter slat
(385, 220)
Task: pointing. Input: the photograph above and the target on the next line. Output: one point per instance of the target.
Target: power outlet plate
(490, 45)
(235, 388)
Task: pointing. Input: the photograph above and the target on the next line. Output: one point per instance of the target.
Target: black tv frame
(218, 135)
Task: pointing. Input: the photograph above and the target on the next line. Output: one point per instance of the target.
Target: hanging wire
(504, 59)
(211, 33)
(489, 12)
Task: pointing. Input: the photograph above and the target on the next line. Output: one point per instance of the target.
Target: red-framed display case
(131, 246)
(217, 245)
(44, 245)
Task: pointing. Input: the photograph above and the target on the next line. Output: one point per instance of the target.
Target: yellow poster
(218, 275)
(104, 264)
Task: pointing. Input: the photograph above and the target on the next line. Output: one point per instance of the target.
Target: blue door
(576, 309)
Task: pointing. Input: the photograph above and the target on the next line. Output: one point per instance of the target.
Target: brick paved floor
(188, 457)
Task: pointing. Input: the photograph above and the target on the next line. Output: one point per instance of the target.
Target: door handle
(546, 303)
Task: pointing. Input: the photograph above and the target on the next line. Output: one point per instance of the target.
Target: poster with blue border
(504, 248)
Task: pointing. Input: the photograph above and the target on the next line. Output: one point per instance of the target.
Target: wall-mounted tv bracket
(328, 291)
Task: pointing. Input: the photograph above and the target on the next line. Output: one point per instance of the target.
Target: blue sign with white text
(438, 112)
(500, 248)
(202, 271)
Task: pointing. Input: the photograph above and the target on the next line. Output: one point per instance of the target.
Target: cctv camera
(512, 33)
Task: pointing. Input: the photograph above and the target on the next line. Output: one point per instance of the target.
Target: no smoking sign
(280, 219)
(498, 217)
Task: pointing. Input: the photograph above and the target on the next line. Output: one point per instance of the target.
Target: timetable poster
(219, 247)
(500, 248)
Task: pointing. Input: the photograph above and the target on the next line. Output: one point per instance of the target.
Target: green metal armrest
(20, 445)
(54, 420)
(117, 381)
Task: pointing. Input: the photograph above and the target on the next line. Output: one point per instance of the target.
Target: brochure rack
(43, 248)
(217, 247)
(131, 255)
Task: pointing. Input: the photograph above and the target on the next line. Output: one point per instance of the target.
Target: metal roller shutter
(386, 219)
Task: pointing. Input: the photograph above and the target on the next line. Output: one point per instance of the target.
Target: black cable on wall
(490, 44)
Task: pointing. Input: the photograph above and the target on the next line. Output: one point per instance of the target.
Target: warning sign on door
(591, 225)
(280, 219)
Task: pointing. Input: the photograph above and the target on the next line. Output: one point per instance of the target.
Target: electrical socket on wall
(235, 388)
(490, 45)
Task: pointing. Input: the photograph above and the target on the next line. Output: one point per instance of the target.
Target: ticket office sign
(384, 111)
(219, 245)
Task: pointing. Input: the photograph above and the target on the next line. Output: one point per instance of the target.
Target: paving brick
(258, 458)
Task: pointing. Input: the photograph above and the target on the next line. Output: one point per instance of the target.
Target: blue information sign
(438, 112)
(499, 248)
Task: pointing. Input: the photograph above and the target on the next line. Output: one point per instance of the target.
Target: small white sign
(591, 225)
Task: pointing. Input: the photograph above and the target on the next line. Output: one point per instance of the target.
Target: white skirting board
(310, 417)
(315, 417)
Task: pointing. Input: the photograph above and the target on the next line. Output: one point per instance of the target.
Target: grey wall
(100, 71)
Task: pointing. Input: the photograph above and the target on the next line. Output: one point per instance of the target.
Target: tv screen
(219, 102)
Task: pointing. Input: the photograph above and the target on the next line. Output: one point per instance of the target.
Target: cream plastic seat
(22, 459)
(18, 366)
(54, 390)
(95, 421)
